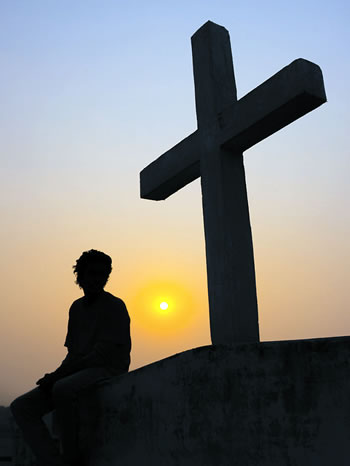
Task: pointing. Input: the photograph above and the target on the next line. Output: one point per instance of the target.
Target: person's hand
(46, 382)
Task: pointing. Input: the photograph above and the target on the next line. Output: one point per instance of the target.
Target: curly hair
(88, 257)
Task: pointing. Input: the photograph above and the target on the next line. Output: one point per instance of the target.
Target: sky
(93, 91)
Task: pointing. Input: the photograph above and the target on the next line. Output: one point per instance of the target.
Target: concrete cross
(226, 128)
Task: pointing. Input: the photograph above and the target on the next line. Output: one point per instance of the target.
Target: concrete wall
(273, 403)
(6, 437)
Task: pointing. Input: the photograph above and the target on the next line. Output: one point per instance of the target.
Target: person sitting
(99, 344)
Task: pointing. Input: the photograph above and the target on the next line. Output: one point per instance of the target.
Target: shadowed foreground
(273, 403)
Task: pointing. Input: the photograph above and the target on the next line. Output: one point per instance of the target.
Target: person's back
(99, 344)
(102, 327)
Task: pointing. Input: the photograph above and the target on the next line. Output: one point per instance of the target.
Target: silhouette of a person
(99, 345)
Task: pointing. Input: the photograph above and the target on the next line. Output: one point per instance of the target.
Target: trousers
(28, 410)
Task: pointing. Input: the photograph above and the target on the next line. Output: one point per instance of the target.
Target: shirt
(99, 333)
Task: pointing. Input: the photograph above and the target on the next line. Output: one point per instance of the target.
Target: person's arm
(46, 382)
(113, 341)
(102, 353)
(113, 344)
(49, 379)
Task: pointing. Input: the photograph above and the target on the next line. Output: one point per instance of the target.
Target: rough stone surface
(272, 403)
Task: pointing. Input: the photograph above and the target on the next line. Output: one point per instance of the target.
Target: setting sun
(163, 306)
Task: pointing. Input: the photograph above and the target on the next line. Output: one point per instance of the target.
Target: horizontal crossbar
(171, 171)
(289, 94)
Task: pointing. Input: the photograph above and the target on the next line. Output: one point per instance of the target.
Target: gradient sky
(91, 92)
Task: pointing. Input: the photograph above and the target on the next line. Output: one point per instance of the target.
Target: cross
(226, 128)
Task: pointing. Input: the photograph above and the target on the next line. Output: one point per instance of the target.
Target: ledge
(271, 403)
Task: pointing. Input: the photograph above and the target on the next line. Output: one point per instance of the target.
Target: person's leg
(65, 397)
(28, 411)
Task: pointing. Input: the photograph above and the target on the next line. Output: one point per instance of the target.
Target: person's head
(92, 271)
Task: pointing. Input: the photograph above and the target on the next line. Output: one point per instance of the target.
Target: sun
(162, 308)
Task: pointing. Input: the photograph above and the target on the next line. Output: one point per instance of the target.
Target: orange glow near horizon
(163, 308)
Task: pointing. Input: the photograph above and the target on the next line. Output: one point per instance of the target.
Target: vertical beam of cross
(228, 239)
(227, 127)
